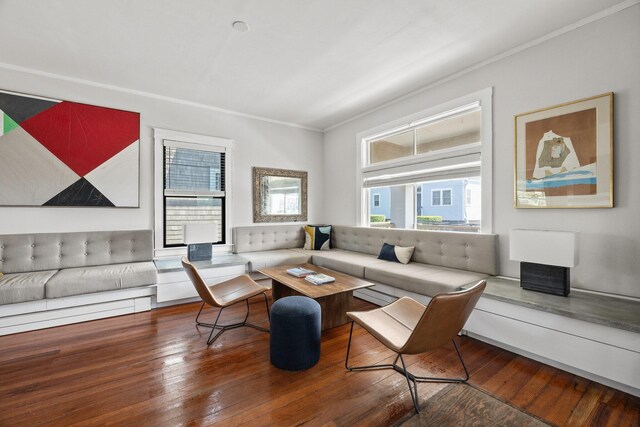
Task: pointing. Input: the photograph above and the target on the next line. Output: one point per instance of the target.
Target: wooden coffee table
(334, 298)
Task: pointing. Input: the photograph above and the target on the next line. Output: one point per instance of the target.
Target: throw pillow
(317, 237)
(396, 253)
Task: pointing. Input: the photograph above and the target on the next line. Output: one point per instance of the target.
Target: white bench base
(47, 313)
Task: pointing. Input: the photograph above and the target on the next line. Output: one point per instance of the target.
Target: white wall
(600, 57)
(257, 143)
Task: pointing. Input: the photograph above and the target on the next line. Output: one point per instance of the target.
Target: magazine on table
(320, 279)
(300, 272)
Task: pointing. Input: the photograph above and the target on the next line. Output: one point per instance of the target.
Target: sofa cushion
(56, 251)
(352, 263)
(474, 252)
(396, 253)
(23, 287)
(75, 281)
(264, 259)
(317, 237)
(422, 279)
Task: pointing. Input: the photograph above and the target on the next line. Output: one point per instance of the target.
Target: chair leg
(403, 370)
(223, 328)
(443, 380)
(414, 392)
(365, 367)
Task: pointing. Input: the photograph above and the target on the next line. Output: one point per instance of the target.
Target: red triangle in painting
(84, 136)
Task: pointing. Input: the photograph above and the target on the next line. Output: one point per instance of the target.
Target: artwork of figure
(555, 154)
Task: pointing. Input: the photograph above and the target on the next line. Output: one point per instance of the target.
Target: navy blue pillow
(396, 253)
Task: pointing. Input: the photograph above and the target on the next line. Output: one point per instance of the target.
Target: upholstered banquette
(54, 265)
(441, 262)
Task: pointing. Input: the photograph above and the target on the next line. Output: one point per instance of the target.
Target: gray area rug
(463, 405)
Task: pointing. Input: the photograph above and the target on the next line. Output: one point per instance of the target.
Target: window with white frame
(444, 152)
(440, 197)
(191, 185)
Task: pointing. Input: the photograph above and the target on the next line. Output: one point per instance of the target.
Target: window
(440, 197)
(444, 153)
(191, 187)
(193, 191)
(436, 198)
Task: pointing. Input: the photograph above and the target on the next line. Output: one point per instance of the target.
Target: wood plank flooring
(154, 369)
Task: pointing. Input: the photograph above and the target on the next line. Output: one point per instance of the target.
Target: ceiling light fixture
(240, 26)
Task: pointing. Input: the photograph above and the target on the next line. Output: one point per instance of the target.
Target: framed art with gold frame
(564, 155)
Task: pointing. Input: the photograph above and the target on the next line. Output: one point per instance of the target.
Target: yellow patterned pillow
(317, 237)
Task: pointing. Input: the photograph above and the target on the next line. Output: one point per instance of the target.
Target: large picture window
(429, 171)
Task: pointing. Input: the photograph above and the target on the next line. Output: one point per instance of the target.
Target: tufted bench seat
(268, 246)
(441, 262)
(55, 265)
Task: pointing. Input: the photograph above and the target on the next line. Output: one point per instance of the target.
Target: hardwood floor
(154, 369)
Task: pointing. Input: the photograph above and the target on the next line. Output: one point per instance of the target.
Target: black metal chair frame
(223, 328)
(408, 375)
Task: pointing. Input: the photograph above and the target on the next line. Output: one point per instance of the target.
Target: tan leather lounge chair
(408, 327)
(223, 295)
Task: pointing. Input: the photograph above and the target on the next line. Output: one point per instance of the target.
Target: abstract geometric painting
(61, 153)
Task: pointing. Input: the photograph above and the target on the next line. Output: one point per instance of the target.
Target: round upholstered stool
(295, 333)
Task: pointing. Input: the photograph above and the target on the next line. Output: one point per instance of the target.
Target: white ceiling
(313, 63)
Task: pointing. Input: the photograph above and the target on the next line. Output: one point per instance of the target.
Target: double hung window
(194, 190)
(192, 181)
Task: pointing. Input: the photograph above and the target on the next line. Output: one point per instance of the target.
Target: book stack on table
(319, 279)
(300, 272)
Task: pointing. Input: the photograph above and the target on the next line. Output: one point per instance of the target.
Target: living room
(313, 87)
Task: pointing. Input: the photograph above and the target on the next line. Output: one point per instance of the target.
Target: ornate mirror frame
(258, 215)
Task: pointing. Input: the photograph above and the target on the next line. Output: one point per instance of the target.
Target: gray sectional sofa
(55, 265)
(441, 262)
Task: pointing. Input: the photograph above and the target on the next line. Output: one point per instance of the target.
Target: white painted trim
(485, 98)
(581, 23)
(186, 139)
(86, 82)
(46, 313)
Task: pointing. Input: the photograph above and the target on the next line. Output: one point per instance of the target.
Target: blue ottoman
(295, 333)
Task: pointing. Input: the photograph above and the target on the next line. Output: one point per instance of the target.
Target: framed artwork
(279, 195)
(564, 155)
(61, 153)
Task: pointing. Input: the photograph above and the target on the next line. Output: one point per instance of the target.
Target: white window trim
(485, 98)
(193, 141)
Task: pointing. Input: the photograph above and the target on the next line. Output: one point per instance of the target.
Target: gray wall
(257, 143)
(599, 57)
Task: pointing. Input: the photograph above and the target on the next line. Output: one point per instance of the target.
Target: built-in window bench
(174, 287)
(592, 335)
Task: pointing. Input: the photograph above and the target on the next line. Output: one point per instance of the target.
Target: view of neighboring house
(450, 202)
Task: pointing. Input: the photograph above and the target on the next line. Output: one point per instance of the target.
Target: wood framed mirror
(279, 195)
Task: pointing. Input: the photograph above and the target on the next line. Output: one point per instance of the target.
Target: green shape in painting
(8, 124)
